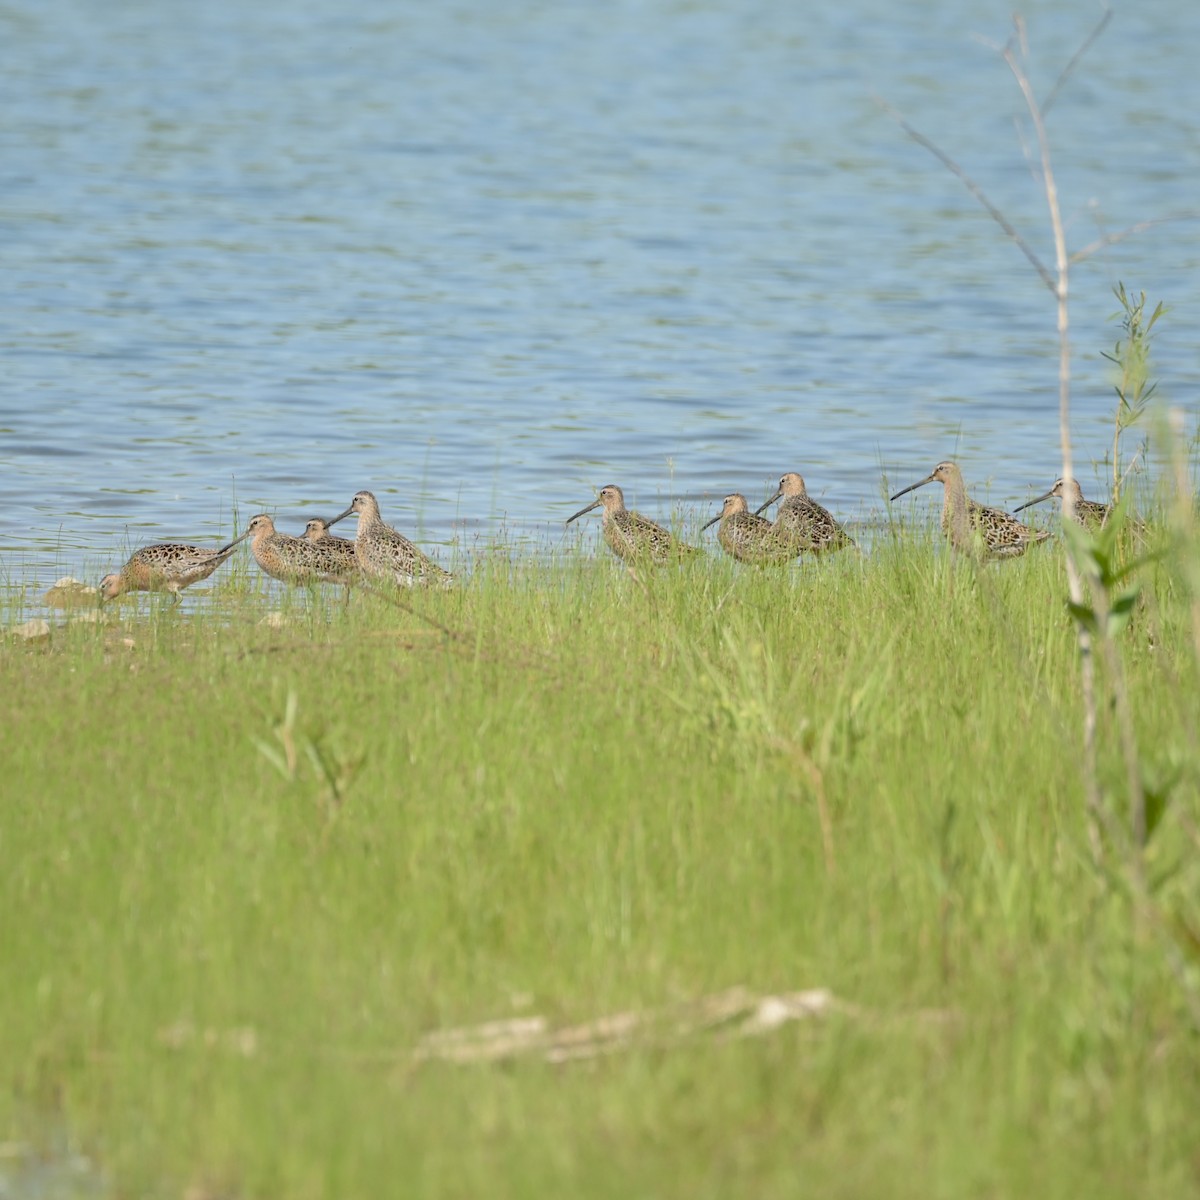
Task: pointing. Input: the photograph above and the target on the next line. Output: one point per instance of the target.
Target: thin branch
(1069, 69)
(389, 594)
(1111, 239)
(1022, 35)
(975, 190)
(1087, 669)
(1026, 151)
(1132, 464)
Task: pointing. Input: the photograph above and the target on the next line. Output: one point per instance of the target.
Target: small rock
(32, 631)
(89, 616)
(69, 592)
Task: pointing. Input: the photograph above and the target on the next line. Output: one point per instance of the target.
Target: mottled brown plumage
(165, 567)
(973, 527)
(630, 535)
(1089, 513)
(750, 538)
(385, 555)
(335, 557)
(802, 518)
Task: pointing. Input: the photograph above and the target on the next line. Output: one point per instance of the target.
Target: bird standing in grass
(973, 527)
(383, 554)
(802, 518)
(1089, 513)
(165, 567)
(278, 554)
(630, 535)
(750, 538)
(336, 553)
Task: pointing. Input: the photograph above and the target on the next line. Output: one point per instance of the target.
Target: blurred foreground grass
(247, 867)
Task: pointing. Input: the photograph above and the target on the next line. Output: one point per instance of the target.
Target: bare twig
(975, 190)
(1069, 69)
(1111, 239)
(390, 596)
(1129, 469)
(1087, 674)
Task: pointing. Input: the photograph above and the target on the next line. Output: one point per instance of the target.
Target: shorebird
(337, 552)
(1089, 513)
(971, 526)
(333, 558)
(801, 517)
(278, 554)
(750, 538)
(165, 567)
(384, 554)
(632, 536)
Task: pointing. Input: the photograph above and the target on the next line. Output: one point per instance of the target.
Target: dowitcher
(1089, 513)
(801, 517)
(278, 554)
(332, 559)
(336, 554)
(750, 538)
(165, 567)
(972, 526)
(630, 535)
(384, 554)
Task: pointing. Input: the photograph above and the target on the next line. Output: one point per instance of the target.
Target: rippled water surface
(484, 257)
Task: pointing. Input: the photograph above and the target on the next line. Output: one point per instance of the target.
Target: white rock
(32, 631)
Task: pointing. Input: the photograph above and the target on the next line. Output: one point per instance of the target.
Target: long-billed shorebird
(973, 527)
(632, 536)
(801, 517)
(165, 567)
(1089, 513)
(750, 538)
(337, 553)
(385, 555)
(278, 554)
(333, 559)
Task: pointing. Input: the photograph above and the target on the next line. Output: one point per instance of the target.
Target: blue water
(485, 257)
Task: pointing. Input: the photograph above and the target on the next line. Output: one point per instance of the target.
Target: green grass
(603, 793)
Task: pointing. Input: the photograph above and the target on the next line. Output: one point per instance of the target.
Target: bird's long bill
(713, 521)
(768, 503)
(1031, 503)
(340, 516)
(594, 504)
(912, 487)
(230, 545)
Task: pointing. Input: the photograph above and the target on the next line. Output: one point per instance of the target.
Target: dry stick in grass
(392, 598)
(816, 781)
